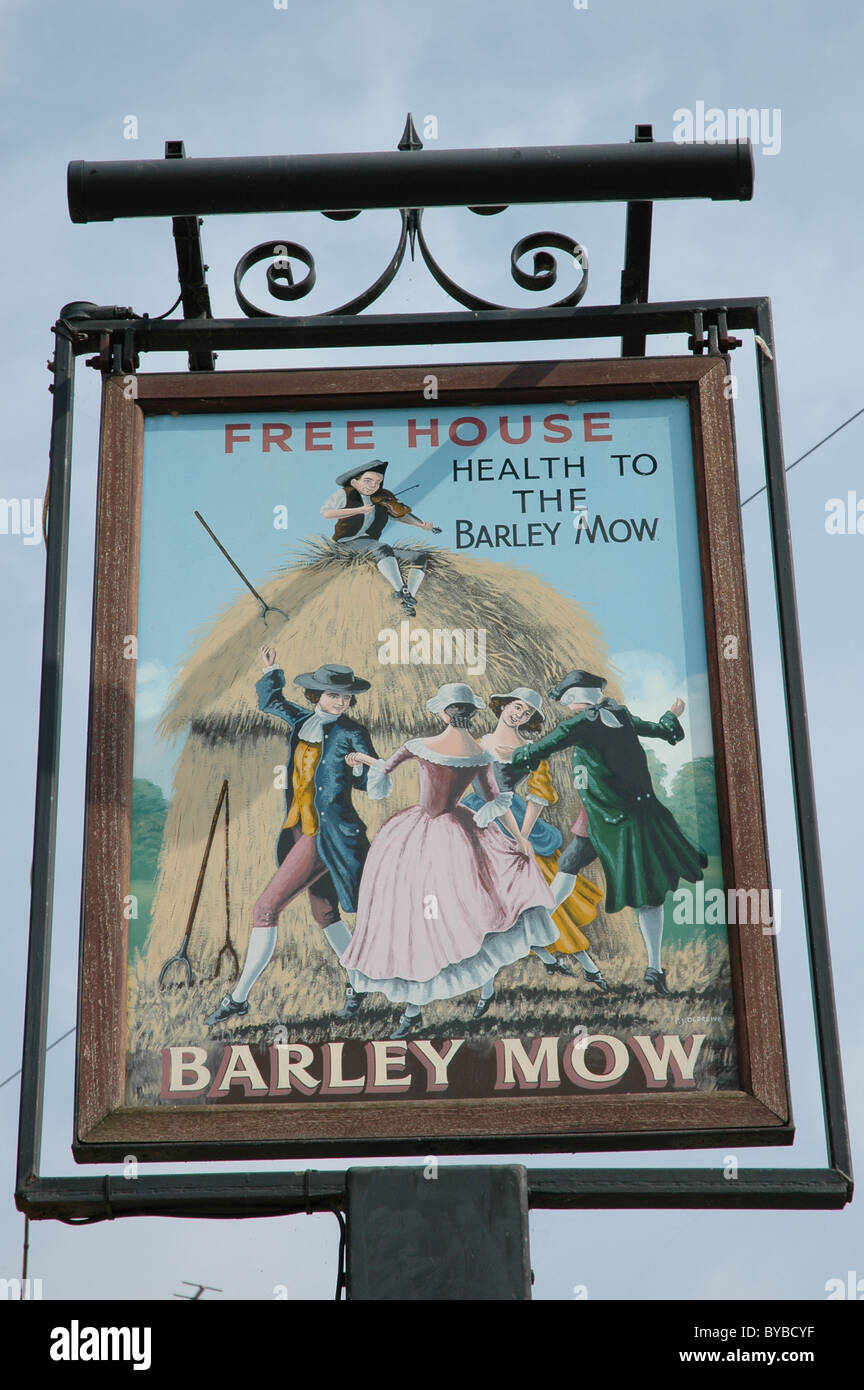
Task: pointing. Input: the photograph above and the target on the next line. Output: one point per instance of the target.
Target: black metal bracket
(718, 342)
(639, 173)
(283, 285)
(191, 270)
(408, 178)
(117, 356)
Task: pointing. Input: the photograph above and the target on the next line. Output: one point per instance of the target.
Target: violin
(391, 504)
(394, 508)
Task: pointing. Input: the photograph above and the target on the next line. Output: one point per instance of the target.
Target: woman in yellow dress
(520, 714)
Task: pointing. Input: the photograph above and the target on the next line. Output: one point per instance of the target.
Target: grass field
(303, 988)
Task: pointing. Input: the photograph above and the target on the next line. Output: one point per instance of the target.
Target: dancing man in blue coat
(323, 844)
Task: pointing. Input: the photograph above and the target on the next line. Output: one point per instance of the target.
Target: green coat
(643, 852)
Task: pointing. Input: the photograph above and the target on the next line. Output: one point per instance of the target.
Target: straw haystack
(338, 604)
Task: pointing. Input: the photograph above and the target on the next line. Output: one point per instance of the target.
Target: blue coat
(342, 841)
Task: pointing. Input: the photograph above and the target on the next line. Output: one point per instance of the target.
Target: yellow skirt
(575, 912)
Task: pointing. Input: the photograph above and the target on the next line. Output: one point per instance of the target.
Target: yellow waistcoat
(302, 808)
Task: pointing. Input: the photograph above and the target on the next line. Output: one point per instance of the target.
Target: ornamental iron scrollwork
(283, 252)
(282, 284)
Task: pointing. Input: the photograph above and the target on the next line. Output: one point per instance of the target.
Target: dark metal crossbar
(385, 330)
(109, 189)
(238, 1195)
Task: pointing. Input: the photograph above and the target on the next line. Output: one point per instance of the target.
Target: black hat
(337, 680)
(372, 466)
(576, 678)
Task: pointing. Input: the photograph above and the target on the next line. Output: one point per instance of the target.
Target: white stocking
(651, 927)
(561, 887)
(262, 943)
(585, 960)
(390, 570)
(415, 579)
(488, 989)
(338, 936)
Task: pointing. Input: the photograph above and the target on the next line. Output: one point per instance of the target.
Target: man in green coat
(637, 840)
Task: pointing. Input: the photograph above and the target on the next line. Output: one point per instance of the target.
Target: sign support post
(438, 1234)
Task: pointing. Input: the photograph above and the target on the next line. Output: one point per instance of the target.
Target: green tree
(693, 802)
(149, 809)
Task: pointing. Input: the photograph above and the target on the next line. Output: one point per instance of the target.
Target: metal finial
(413, 225)
(410, 140)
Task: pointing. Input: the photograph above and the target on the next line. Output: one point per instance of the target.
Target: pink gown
(444, 903)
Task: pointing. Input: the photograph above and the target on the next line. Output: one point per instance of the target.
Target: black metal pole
(191, 270)
(99, 192)
(47, 767)
(637, 256)
(815, 916)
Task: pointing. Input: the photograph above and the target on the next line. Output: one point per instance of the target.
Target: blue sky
(651, 623)
(187, 468)
(231, 79)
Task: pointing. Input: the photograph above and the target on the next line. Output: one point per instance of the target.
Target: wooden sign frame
(107, 1125)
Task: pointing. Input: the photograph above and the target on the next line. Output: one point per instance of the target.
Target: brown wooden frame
(105, 1127)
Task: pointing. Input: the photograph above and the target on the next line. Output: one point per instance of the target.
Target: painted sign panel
(428, 757)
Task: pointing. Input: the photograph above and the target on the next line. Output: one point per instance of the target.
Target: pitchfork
(181, 958)
(265, 607)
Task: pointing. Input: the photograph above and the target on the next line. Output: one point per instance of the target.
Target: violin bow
(436, 530)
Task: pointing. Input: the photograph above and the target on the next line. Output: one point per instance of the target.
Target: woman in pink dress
(443, 904)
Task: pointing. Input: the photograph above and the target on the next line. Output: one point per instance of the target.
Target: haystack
(338, 604)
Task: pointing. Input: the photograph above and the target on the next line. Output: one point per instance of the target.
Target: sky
(186, 581)
(256, 79)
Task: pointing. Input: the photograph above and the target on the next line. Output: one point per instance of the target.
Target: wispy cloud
(151, 689)
(650, 683)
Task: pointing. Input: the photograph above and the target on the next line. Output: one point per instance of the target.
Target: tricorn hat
(371, 466)
(582, 679)
(337, 680)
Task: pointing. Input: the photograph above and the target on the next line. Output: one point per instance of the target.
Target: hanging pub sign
(424, 808)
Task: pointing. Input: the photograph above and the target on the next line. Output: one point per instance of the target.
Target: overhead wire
(48, 1049)
(806, 455)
